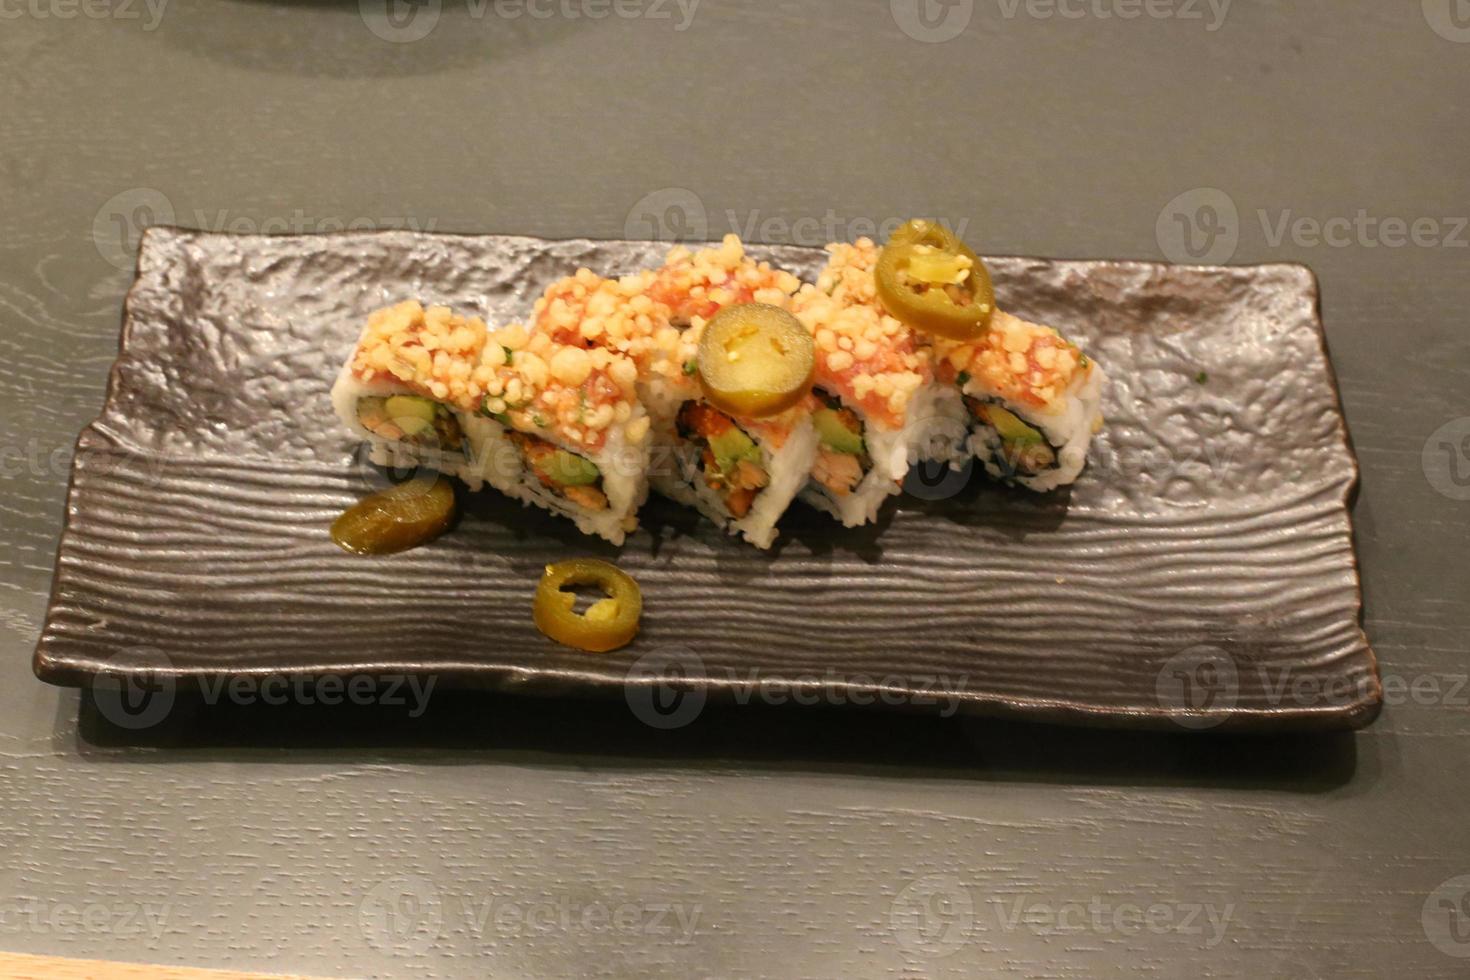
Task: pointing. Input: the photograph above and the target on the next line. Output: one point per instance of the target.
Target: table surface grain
(505, 837)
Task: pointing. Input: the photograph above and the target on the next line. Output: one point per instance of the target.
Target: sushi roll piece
(882, 409)
(1034, 401)
(647, 315)
(548, 424)
(697, 284)
(388, 395)
(741, 473)
(588, 311)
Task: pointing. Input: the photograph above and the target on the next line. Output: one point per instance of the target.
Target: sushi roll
(741, 473)
(588, 311)
(881, 408)
(388, 395)
(548, 424)
(1033, 401)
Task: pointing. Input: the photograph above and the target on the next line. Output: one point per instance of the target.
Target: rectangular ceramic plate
(1200, 573)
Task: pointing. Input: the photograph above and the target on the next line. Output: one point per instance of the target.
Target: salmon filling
(565, 474)
(730, 462)
(1023, 448)
(842, 459)
(412, 420)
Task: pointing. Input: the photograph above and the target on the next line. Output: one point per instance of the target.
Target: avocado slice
(835, 434)
(371, 412)
(411, 413)
(732, 446)
(569, 469)
(1009, 426)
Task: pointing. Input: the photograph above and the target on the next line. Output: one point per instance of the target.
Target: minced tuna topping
(864, 356)
(1022, 362)
(699, 283)
(434, 351)
(588, 311)
(522, 377)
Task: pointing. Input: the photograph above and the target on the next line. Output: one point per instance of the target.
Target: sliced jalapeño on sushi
(933, 282)
(401, 517)
(755, 360)
(608, 623)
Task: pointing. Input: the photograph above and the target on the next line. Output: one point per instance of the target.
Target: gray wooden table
(495, 837)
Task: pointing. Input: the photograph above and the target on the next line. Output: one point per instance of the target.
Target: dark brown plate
(1200, 574)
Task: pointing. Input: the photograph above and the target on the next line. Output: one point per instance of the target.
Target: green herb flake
(964, 378)
(1201, 378)
(691, 368)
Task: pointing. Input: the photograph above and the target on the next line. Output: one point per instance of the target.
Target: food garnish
(607, 624)
(755, 360)
(401, 517)
(932, 281)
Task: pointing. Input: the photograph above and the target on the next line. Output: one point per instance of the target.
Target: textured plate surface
(1201, 572)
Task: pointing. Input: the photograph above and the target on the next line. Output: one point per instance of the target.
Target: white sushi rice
(498, 462)
(1069, 427)
(492, 458)
(935, 429)
(348, 391)
(678, 475)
